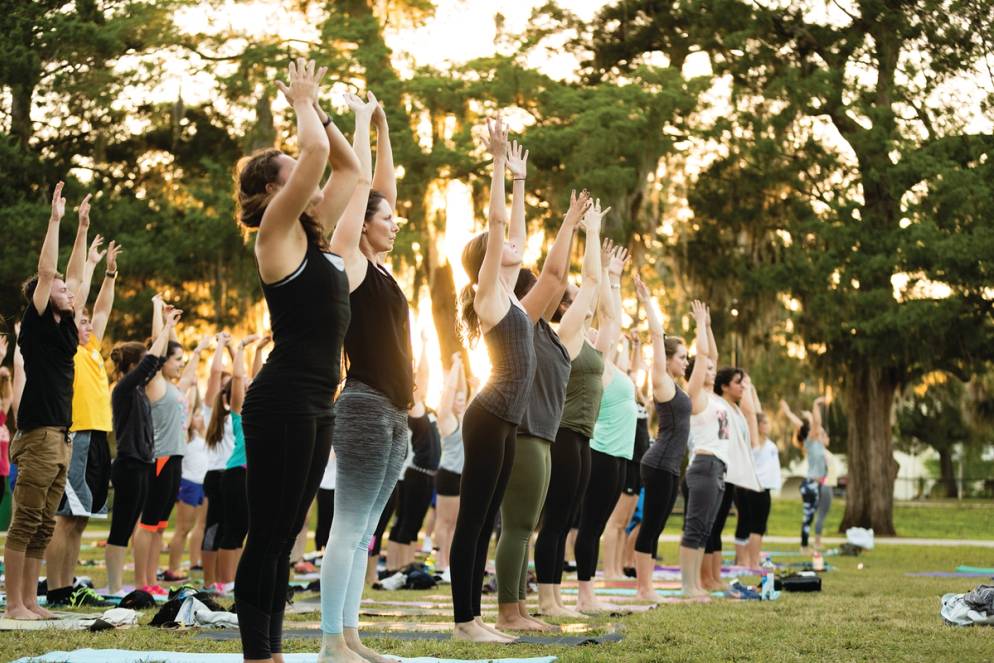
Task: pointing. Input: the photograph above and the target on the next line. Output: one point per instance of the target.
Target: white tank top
(711, 429)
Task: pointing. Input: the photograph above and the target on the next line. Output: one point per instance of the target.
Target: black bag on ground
(137, 600)
(798, 583)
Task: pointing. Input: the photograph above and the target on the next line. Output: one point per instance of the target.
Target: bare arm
(157, 306)
(787, 412)
(238, 376)
(748, 408)
(77, 258)
(217, 368)
(18, 380)
(663, 386)
(712, 345)
(571, 327)
(348, 232)
(421, 377)
(105, 298)
(489, 302)
(280, 231)
(817, 430)
(446, 419)
(610, 310)
(517, 234)
(695, 385)
(48, 260)
(338, 188)
(257, 359)
(384, 176)
(556, 266)
(82, 295)
(189, 377)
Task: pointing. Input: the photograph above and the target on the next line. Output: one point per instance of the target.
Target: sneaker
(214, 587)
(304, 567)
(155, 590)
(169, 576)
(394, 582)
(197, 567)
(84, 596)
(426, 546)
(445, 577)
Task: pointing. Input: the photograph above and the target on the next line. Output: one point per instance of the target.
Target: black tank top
(378, 342)
(670, 446)
(309, 312)
(511, 348)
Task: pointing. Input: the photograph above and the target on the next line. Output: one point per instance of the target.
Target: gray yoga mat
(557, 639)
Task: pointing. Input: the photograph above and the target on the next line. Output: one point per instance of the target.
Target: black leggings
(214, 519)
(714, 540)
(602, 495)
(488, 442)
(286, 458)
(661, 488)
(754, 510)
(326, 514)
(381, 526)
(236, 517)
(413, 502)
(131, 479)
(570, 474)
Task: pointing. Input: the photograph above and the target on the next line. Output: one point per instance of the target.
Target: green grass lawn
(871, 614)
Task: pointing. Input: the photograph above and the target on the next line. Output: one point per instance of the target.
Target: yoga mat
(288, 634)
(947, 574)
(615, 591)
(64, 621)
(125, 656)
(630, 584)
(975, 569)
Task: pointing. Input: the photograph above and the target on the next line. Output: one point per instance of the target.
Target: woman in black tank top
(287, 415)
(371, 412)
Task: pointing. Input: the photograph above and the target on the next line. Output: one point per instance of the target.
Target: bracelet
(326, 121)
(616, 287)
(110, 275)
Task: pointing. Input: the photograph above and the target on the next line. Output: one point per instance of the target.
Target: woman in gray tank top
(532, 464)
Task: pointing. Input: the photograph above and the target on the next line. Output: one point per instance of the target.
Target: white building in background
(914, 479)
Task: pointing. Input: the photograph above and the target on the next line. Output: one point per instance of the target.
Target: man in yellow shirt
(89, 468)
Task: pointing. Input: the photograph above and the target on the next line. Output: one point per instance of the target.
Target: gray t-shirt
(817, 464)
(168, 418)
(548, 392)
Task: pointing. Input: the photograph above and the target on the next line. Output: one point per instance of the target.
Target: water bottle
(767, 589)
(817, 561)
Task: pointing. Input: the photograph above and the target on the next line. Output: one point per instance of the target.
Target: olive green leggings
(519, 514)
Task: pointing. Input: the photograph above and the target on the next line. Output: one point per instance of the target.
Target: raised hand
(249, 340)
(641, 291)
(304, 77)
(58, 203)
(222, 339)
(265, 340)
(95, 255)
(619, 256)
(84, 211)
(113, 251)
(172, 315)
(607, 247)
(593, 216)
(700, 312)
(578, 206)
(496, 142)
(517, 160)
(457, 358)
(203, 343)
(364, 109)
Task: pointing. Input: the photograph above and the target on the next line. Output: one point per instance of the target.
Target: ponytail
(472, 260)
(470, 320)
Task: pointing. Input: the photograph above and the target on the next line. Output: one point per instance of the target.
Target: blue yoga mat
(126, 656)
(625, 591)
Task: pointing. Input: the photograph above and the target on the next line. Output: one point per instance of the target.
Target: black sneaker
(87, 597)
(59, 597)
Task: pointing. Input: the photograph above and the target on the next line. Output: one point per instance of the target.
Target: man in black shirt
(41, 449)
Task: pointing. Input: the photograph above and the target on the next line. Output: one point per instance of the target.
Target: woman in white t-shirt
(754, 506)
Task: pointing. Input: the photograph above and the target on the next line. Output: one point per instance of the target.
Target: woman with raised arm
(754, 506)
(532, 467)
(288, 415)
(219, 438)
(489, 309)
(811, 439)
(661, 464)
(571, 450)
(709, 426)
(134, 431)
(450, 412)
(613, 439)
(371, 411)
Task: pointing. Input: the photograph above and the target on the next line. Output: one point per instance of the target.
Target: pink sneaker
(155, 590)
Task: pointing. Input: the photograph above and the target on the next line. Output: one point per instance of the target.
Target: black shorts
(162, 492)
(633, 478)
(214, 519)
(754, 512)
(447, 483)
(234, 525)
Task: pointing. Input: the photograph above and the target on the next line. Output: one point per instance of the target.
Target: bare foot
(716, 586)
(493, 629)
(542, 626)
(652, 596)
(697, 594)
(335, 650)
(20, 613)
(556, 610)
(517, 623)
(355, 644)
(594, 607)
(40, 611)
(473, 632)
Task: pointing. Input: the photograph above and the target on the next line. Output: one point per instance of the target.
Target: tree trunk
(869, 394)
(947, 473)
(20, 113)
